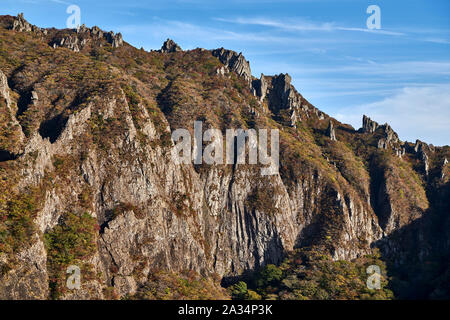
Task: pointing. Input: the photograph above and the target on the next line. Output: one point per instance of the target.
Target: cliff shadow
(418, 254)
(53, 127)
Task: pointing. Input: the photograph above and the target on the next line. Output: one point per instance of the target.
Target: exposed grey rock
(321, 115)
(421, 147)
(400, 152)
(260, 87)
(28, 280)
(330, 131)
(96, 32)
(422, 150)
(4, 88)
(15, 140)
(391, 135)
(426, 163)
(444, 164)
(382, 144)
(234, 61)
(69, 42)
(170, 46)
(34, 96)
(115, 40)
(390, 138)
(21, 25)
(222, 71)
(281, 95)
(82, 35)
(369, 126)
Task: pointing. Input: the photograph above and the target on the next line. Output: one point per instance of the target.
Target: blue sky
(399, 74)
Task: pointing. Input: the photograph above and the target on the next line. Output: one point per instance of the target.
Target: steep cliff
(88, 179)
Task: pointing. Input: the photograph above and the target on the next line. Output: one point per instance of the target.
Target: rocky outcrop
(369, 126)
(4, 89)
(115, 40)
(82, 36)
(235, 62)
(282, 96)
(260, 87)
(74, 41)
(22, 25)
(444, 169)
(330, 131)
(422, 150)
(29, 279)
(388, 139)
(170, 46)
(11, 140)
(69, 42)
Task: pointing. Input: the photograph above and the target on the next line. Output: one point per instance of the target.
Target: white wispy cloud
(374, 31)
(298, 26)
(185, 30)
(197, 35)
(437, 40)
(302, 25)
(60, 2)
(413, 112)
(371, 69)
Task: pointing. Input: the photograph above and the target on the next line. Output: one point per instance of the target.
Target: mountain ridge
(88, 130)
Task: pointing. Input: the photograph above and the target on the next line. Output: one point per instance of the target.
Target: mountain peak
(20, 24)
(170, 46)
(234, 61)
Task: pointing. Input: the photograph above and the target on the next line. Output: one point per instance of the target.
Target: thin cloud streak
(303, 25)
(410, 68)
(184, 30)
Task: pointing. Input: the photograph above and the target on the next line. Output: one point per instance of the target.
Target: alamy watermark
(374, 280)
(187, 151)
(74, 280)
(374, 21)
(74, 20)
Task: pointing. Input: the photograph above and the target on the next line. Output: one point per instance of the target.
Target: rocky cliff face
(88, 178)
(234, 61)
(170, 46)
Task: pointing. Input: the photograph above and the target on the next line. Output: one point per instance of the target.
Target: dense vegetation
(308, 274)
(72, 242)
(163, 285)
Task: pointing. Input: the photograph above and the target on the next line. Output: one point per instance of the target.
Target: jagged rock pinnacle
(390, 136)
(421, 149)
(369, 126)
(170, 46)
(234, 61)
(330, 131)
(22, 25)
